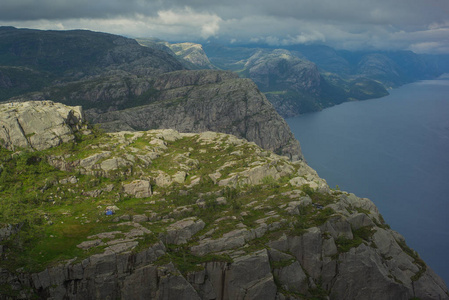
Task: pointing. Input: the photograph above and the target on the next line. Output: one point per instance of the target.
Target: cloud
(207, 24)
(426, 47)
(419, 25)
(179, 24)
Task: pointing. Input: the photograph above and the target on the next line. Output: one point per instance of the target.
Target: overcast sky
(418, 25)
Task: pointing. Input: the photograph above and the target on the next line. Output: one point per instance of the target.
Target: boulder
(180, 177)
(180, 232)
(138, 188)
(38, 125)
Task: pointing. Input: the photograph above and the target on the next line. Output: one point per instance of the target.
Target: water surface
(395, 151)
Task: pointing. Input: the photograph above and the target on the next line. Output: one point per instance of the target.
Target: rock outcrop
(191, 55)
(197, 101)
(38, 125)
(166, 215)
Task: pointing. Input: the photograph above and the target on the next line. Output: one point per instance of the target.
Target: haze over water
(394, 151)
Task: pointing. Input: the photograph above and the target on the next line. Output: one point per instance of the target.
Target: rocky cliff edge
(207, 100)
(38, 125)
(166, 215)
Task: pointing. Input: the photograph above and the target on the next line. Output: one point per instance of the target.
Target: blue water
(394, 151)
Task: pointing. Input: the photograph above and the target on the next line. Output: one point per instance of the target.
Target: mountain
(191, 55)
(291, 82)
(188, 101)
(197, 101)
(278, 69)
(32, 59)
(300, 79)
(160, 214)
(122, 84)
(391, 68)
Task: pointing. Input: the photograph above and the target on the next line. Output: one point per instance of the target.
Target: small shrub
(270, 182)
(186, 261)
(344, 244)
(417, 261)
(322, 216)
(365, 233)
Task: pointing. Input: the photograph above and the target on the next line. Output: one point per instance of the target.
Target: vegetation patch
(318, 197)
(282, 263)
(416, 260)
(186, 262)
(361, 235)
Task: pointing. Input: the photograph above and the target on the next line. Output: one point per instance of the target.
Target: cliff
(160, 214)
(124, 85)
(191, 55)
(198, 101)
(280, 70)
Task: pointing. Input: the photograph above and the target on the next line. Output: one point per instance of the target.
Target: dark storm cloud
(420, 25)
(364, 11)
(23, 10)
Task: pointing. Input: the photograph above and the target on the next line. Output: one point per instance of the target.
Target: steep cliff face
(188, 101)
(191, 55)
(197, 101)
(106, 73)
(166, 215)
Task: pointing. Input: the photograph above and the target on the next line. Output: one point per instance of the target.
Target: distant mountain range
(300, 79)
(31, 59)
(306, 78)
(109, 75)
(297, 79)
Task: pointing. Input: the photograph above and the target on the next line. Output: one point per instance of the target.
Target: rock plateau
(160, 214)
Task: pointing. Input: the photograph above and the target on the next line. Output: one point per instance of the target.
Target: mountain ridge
(120, 74)
(344, 75)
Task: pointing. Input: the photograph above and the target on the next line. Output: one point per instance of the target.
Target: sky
(418, 25)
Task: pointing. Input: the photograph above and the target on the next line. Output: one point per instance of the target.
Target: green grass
(282, 263)
(186, 262)
(416, 260)
(276, 92)
(54, 244)
(360, 235)
(318, 197)
(310, 217)
(30, 194)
